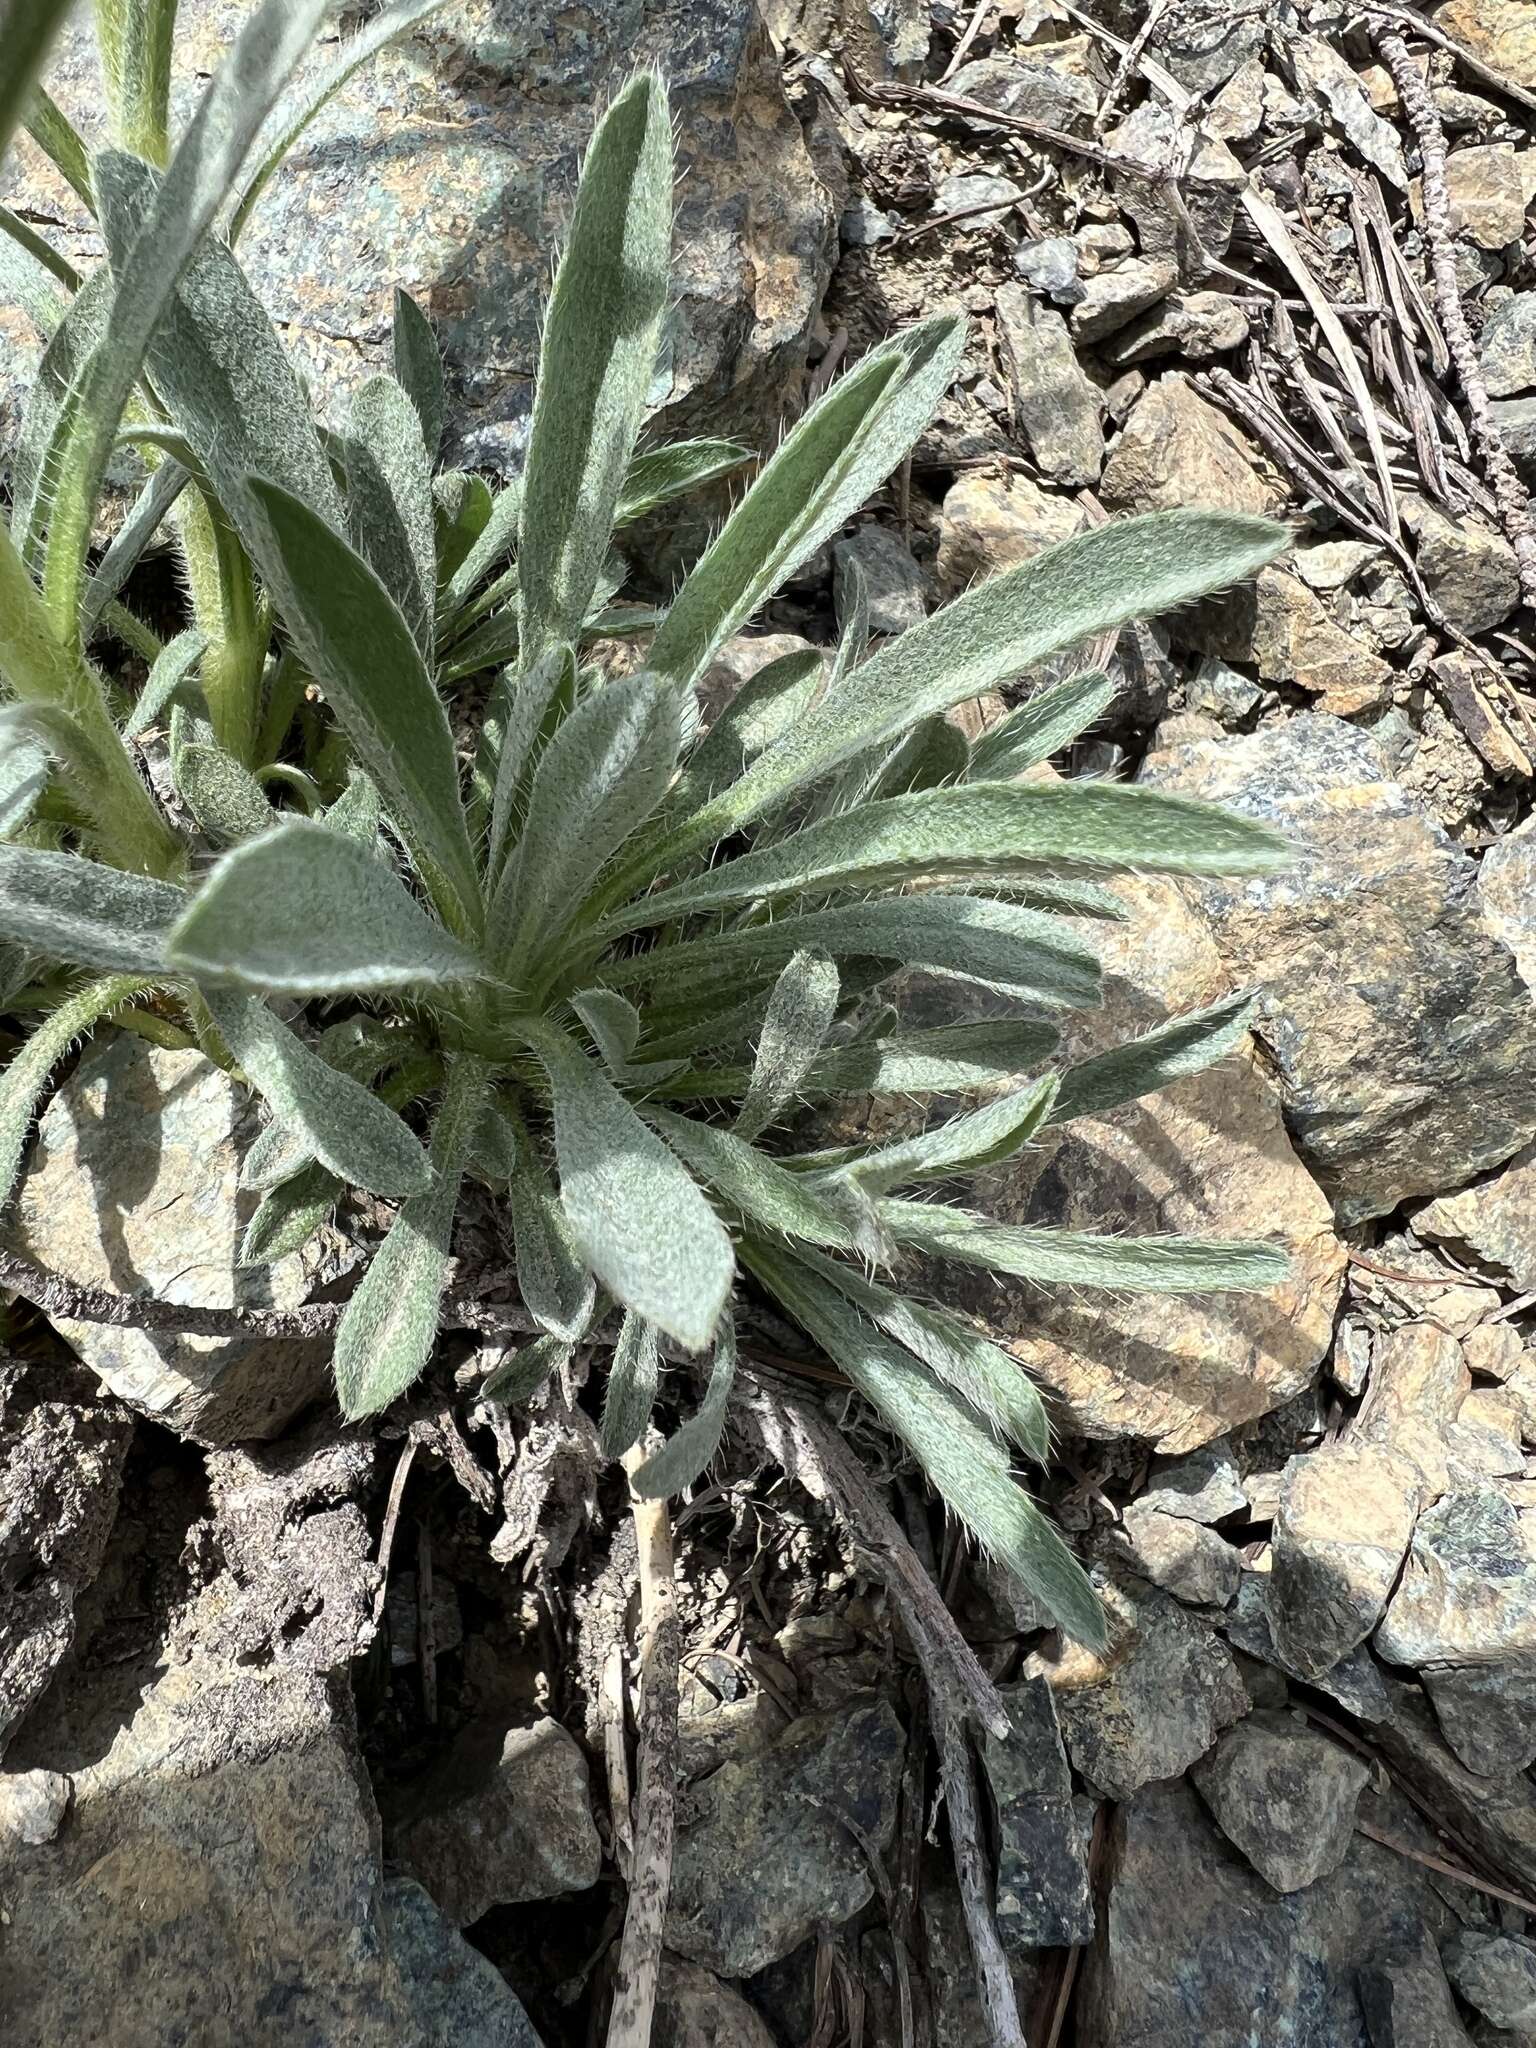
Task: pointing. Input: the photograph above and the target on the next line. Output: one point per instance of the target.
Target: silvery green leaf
(633, 1375)
(596, 360)
(682, 1459)
(386, 1336)
(494, 542)
(646, 1230)
(552, 1277)
(146, 516)
(846, 444)
(492, 644)
(536, 702)
(359, 1047)
(34, 278)
(171, 668)
(795, 1025)
(357, 812)
(662, 474)
(852, 623)
(1081, 1258)
(982, 830)
(304, 910)
(23, 768)
(390, 518)
(217, 363)
(497, 1152)
(346, 1126)
(223, 795)
(933, 753)
(949, 1059)
(357, 645)
(1186, 1045)
(287, 1217)
(764, 1192)
(1050, 720)
(30, 27)
(25, 1074)
(465, 508)
(615, 1029)
(60, 141)
(966, 1465)
(418, 364)
(985, 1136)
(997, 630)
(72, 909)
(75, 341)
(1018, 952)
(598, 779)
(520, 1375)
(390, 22)
(762, 710)
(985, 1377)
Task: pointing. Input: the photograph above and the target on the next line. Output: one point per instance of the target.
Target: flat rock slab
(1341, 1532)
(447, 165)
(1496, 1973)
(1285, 1795)
(1043, 1899)
(1401, 1032)
(766, 1857)
(133, 1186)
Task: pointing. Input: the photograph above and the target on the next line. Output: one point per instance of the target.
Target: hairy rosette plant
(606, 960)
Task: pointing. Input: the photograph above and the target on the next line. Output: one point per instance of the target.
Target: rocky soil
(321, 1733)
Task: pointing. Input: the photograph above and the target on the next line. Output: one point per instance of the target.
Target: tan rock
(1419, 1380)
(1486, 190)
(1469, 570)
(1501, 32)
(1506, 888)
(1461, 680)
(1494, 1220)
(1342, 1530)
(991, 523)
(1177, 450)
(1291, 637)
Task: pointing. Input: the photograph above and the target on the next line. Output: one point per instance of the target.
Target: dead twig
(1421, 26)
(391, 1521)
(1130, 57)
(963, 48)
(1445, 1868)
(426, 1621)
(650, 1885)
(1509, 493)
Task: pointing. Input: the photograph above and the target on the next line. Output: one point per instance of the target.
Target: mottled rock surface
(762, 1858)
(1345, 1518)
(1182, 1556)
(1406, 1057)
(1043, 1899)
(1279, 627)
(505, 1816)
(1204, 1487)
(1177, 450)
(1496, 1973)
(1408, 2004)
(1493, 1221)
(132, 1186)
(1285, 1795)
(695, 2010)
(1506, 888)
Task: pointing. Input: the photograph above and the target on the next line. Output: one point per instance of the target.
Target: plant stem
(225, 605)
(135, 38)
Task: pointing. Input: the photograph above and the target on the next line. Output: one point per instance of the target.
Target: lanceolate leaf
(1049, 721)
(600, 776)
(304, 910)
(359, 648)
(646, 1230)
(683, 1458)
(949, 1059)
(1016, 951)
(967, 1466)
(387, 1333)
(23, 768)
(345, 1125)
(58, 374)
(556, 1285)
(148, 514)
(981, 1137)
(662, 474)
(1079, 1258)
(519, 1377)
(418, 364)
(762, 710)
(596, 361)
(73, 909)
(632, 1380)
(390, 517)
(765, 1192)
(288, 1216)
(221, 793)
(798, 1017)
(1187, 1045)
(25, 1076)
(997, 630)
(535, 703)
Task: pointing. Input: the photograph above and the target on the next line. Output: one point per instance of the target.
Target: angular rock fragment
(1285, 1795)
(1178, 450)
(1186, 1559)
(1345, 1518)
(1496, 1973)
(1056, 405)
(1043, 1899)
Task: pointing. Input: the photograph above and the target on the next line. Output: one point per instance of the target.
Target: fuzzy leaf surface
(1185, 1045)
(633, 1376)
(1050, 720)
(77, 910)
(798, 1017)
(683, 1458)
(1081, 1258)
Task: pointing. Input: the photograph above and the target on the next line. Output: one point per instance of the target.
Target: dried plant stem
(650, 1882)
(1509, 493)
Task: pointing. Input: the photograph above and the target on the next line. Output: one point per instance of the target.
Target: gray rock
(1374, 961)
(1040, 92)
(455, 1997)
(1050, 266)
(1160, 1703)
(1204, 1487)
(1469, 570)
(962, 189)
(896, 585)
(133, 1187)
(1204, 43)
(1496, 1973)
(1183, 1557)
(1279, 626)
(1285, 1795)
(1495, 1818)
(32, 1805)
(203, 1796)
(1408, 2004)
(1464, 1617)
(447, 165)
(1508, 347)
(1043, 1900)
(1058, 408)
(1211, 179)
(1178, 450)
(764, 1857)
(1196, 1947)
(1219, 691)
(1345, 1517)
(695, 2010)
(1113, 298)
(862, 225)
(1506, 889)
(1515, 419)
(1494, 1220)
(1195, 325)
(505, 1816)
(1321, 70)
(1356, 1681)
